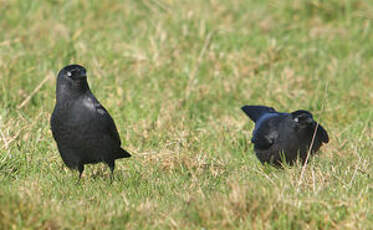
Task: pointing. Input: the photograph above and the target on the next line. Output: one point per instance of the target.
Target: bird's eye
(296, 119)
(69, 74)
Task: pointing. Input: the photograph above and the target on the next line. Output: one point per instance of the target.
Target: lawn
(174, 74)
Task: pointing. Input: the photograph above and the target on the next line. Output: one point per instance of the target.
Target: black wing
(256, 111)
(321, 132)
(111, 130)
(108, 122)
(266, 131)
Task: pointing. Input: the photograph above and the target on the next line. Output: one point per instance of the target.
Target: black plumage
(84, 131)
(284, 135)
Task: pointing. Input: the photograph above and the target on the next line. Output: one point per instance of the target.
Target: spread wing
(266, 132)
(257, 111)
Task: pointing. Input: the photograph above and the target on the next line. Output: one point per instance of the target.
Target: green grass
(174, 75)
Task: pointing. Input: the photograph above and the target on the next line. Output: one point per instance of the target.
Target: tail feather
(122, 154)
(256, 111)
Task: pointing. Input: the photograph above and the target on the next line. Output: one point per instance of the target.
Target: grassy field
(174, 74)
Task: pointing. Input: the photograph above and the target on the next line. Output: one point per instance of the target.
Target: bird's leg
(111, 165)
(80, 169)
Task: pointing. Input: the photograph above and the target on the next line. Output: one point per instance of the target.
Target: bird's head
(72, 78)
(73, 72)
(302, 118)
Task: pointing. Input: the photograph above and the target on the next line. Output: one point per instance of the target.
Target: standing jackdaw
(84, 131)
(278, 136)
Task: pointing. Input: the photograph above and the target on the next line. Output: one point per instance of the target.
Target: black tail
(122, 154)
(256, 111)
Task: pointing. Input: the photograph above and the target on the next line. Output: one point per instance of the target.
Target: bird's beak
(83, 76)
(309, 120)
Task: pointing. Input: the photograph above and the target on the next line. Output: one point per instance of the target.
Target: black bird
(284, 135)
(84, 131)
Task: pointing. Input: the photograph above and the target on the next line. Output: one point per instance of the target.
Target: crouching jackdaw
(284, 136)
